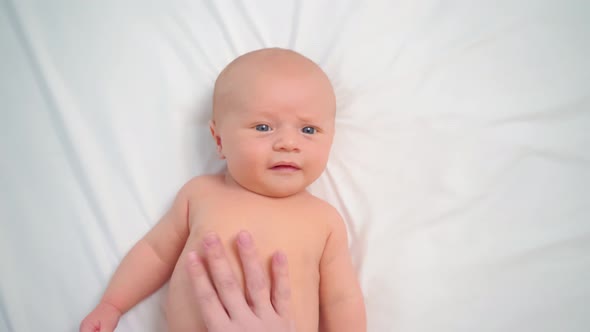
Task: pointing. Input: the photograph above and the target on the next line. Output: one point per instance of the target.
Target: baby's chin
(277, 190)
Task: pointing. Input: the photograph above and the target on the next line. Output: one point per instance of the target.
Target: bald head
(273, 105)
(263, 64)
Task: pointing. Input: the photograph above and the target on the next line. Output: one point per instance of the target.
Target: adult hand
(268, 310)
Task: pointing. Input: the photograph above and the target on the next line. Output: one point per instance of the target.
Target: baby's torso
(293, 225)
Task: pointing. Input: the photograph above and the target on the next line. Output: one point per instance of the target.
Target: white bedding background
(461, 161)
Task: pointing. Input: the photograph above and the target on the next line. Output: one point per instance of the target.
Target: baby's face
(276, 130)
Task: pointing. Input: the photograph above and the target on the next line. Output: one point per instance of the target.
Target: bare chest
(292, 226)
(275, 224)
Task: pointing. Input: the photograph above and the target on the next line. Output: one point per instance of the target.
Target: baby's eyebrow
(262, 112)
(307, 119)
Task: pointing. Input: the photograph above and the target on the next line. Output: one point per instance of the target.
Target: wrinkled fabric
(461, 162)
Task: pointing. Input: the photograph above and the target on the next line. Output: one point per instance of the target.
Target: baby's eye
(262, 127)
(308, 130)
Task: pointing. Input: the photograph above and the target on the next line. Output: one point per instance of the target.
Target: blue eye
(308, 130)
(262, 127)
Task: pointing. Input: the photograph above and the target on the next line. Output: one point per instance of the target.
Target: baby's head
(273, 121)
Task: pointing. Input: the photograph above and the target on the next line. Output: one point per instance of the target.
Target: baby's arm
(145, 268)
(341, 300)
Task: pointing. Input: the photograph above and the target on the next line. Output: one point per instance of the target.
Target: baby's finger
(87, 326)
(281, 287)
(257, 283)
(229, 291)
(212, 312)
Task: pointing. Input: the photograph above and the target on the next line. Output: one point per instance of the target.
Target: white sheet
(461, 162)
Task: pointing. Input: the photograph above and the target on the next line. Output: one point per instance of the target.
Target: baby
(273, 123)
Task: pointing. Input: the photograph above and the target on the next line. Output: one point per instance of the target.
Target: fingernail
(210, 239)
(244, 238)
(193, 258)
(280, 258)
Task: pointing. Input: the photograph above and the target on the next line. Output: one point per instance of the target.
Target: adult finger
(229, 291)
(212, 311)
(281, 287)
(257, 284)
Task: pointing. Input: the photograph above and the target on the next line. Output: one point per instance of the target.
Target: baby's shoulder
(322, 210)
(200, 185)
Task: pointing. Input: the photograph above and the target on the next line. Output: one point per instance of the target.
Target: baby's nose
(286, 141)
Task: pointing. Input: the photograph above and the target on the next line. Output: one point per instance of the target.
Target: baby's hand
(103, 318)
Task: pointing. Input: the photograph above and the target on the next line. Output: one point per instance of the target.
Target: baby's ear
(217, 139)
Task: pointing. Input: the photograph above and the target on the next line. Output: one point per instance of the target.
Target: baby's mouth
(286, 167)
